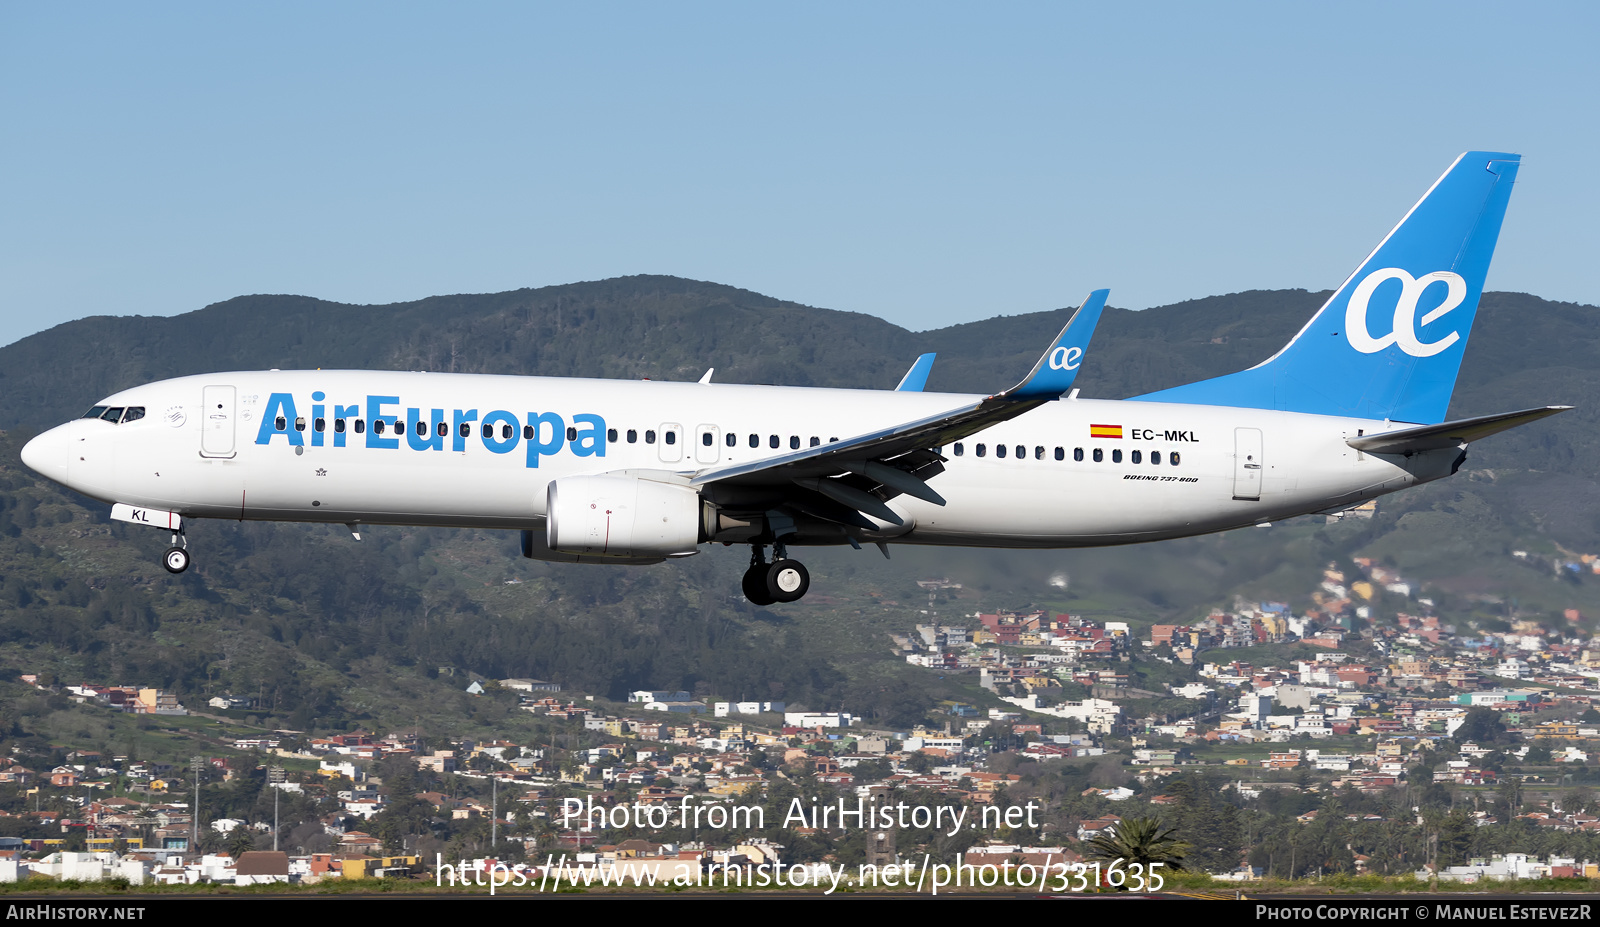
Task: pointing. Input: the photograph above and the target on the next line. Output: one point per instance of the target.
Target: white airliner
(605, 471)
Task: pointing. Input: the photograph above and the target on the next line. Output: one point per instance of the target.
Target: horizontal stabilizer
(1448, 434)
(917, 377)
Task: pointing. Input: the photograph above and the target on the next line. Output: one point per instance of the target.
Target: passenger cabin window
(705, 438)
(320, 424)
(1099, 455)
(1038, 452)
(1077, 454)
(999, 450)
(1136, 457)
(1173, 458)
(755, 440)
(282, 424)
(527, 433)
(633, 436)
(572, 433)
(794, 442)
(649, 436)
(773, 441)
(960, 450)
(442, 429)
(978, 449)
(361, 425)
(611, 435)
(1116, 456)
(466, 430)
(1022, 452)
(816, 441)
(300, 423)
(1155, 457)
(1061, 453)
(732, 440)
(338, 426)
(670, 437)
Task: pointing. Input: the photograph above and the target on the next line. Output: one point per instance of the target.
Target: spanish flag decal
(1105, 431)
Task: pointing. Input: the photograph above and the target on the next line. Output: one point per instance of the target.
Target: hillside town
(1500, 716)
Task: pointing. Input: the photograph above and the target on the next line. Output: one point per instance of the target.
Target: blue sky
(926, 163)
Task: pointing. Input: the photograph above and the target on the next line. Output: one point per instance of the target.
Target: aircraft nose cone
(48, 454)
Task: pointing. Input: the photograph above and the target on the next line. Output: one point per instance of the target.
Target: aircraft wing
(1448, 434)
(881, 464)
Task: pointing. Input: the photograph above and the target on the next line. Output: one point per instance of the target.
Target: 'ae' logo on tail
(1404, 329)
(1064, 358)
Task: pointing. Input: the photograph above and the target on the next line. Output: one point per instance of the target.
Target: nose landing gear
(176, 559)
(782, 580)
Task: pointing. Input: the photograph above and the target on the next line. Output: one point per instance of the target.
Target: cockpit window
(115, 414)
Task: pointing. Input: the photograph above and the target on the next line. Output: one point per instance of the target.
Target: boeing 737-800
(605, 471)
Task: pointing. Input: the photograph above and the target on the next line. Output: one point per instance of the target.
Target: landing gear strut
(176, 559)
(782, 580)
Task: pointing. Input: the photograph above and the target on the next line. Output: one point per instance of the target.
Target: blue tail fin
(1388, 344)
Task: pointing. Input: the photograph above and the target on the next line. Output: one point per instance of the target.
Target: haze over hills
(327, 629)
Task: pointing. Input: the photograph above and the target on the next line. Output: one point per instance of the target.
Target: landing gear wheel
(176, 560)
(787, 580)
(755, 585)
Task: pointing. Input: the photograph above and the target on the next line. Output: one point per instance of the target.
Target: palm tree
(1140, 840)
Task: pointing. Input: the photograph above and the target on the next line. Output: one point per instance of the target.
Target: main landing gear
(176, 559)
(782, 580)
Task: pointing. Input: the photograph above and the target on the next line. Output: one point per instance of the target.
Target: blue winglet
(917, 377)
(1053, 374)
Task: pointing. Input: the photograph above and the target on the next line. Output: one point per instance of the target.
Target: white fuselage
(210, 447)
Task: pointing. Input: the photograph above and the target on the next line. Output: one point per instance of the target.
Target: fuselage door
(706, 439)
(1247, 463)
(217, 416)
(671, 444)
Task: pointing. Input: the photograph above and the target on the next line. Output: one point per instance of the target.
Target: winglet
(1058, 367)
(917, 377)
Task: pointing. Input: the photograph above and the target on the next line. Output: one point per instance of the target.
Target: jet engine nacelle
(622, 516)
